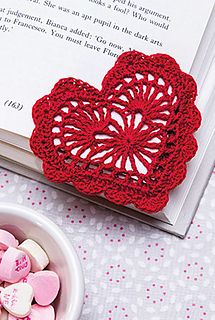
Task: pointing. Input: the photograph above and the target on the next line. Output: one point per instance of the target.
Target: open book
(44, 41)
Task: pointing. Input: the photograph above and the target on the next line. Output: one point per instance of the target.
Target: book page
(45, 40)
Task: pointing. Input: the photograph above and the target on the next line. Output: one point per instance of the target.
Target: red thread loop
(130, 141)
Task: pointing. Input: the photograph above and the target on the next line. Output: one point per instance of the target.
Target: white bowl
(25, 223)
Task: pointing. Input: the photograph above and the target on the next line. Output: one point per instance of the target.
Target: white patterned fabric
(132, 271)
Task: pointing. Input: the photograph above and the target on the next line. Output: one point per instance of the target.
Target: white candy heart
(38, 257)
(17, 299)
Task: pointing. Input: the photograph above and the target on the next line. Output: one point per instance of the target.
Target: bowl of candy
(41, 276)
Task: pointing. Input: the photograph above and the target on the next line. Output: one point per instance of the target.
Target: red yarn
(130, 141)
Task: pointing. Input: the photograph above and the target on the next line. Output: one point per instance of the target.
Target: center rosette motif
(130, 141)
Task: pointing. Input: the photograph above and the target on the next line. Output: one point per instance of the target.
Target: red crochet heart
(130, 141)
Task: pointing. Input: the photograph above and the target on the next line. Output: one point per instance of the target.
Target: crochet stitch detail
(130, 141)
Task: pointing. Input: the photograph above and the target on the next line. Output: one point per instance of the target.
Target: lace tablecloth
(132, 271)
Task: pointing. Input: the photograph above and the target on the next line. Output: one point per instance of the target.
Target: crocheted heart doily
(129, 141)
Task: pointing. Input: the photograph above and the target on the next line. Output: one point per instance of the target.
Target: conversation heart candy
(38, 257)
(46, 285)
(7, 240)
(17, 299)
(14, 266)
(4, 315)
(38, 313)
(47, 313)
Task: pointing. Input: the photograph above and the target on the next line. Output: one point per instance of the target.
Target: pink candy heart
(7, 240)
(14, 266)
(46, 285)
